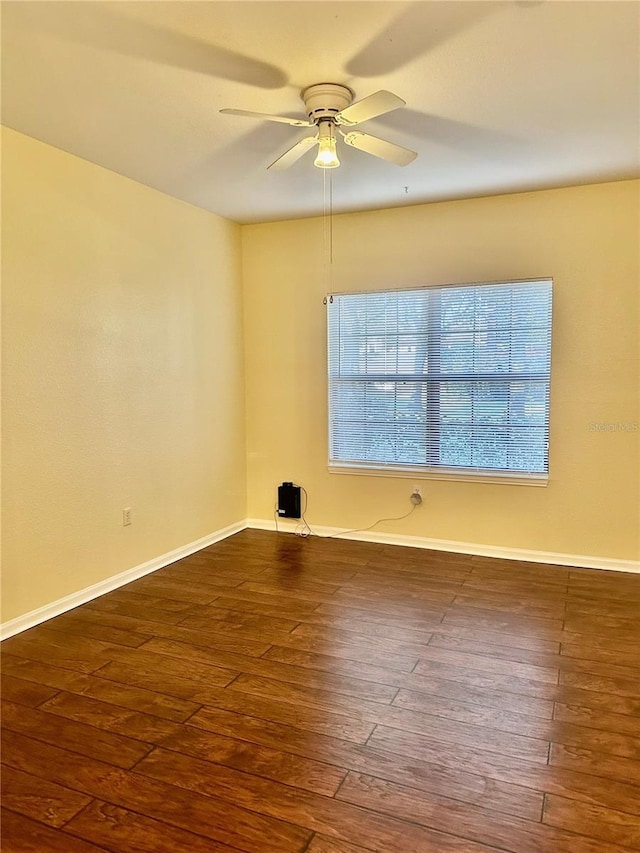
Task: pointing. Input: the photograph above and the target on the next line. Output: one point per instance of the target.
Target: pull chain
(327, 232)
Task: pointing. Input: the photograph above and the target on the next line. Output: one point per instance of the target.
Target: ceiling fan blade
(296, 122)
(289, 157)
(380, 148)
(370, 107)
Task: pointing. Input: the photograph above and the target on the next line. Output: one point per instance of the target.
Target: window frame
(442, 472)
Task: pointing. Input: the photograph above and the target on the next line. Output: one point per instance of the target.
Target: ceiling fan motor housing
(325, 100)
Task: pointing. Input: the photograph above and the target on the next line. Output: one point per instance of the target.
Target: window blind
(436, 378)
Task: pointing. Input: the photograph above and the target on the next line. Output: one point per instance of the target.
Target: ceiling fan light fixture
(330, 106)
(327, 156)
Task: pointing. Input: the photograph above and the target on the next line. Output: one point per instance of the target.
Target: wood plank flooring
(272, 694)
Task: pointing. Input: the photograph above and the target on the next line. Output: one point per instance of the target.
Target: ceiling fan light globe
(327, 157)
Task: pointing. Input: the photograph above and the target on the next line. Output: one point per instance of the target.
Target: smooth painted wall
(123, 374)
(586, 238)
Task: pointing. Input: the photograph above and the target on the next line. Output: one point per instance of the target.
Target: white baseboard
(68, 602)
(557, 559)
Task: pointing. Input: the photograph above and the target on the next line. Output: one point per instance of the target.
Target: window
(444, 380)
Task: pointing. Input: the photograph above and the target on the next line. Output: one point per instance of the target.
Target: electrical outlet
(126, 516)
(417, 490)
(416, 496)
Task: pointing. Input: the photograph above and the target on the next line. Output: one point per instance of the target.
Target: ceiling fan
(330, 107)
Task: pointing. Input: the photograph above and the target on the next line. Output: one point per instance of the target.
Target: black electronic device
(289, 501)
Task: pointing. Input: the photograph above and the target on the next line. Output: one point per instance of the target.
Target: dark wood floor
(278, 695)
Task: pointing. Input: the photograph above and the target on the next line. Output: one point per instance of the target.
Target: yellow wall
(586, 238)
(124, 368)
(123, 374)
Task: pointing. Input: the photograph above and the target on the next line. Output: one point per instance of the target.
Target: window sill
(467, 476)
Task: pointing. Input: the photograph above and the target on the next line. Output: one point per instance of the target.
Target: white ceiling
(501, 96)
